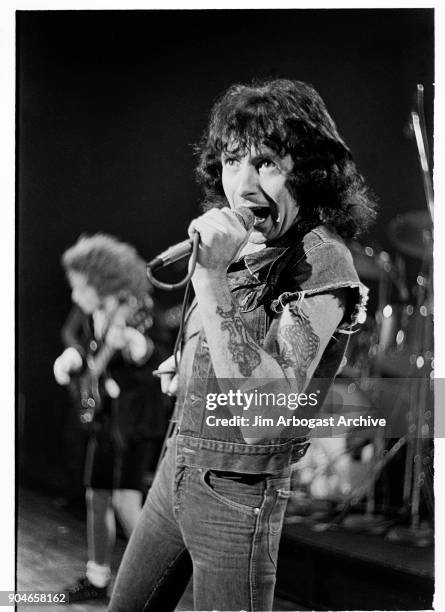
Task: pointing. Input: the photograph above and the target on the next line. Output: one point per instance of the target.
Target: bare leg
(127, 504)
(101, 526)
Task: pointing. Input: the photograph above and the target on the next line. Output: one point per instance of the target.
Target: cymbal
(365, 261)
(406, 232)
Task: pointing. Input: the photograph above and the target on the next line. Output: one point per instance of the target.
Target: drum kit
(396, 339)
(388, 371)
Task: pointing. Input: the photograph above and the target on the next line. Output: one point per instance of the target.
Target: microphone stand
(417, 459)
(419, 420)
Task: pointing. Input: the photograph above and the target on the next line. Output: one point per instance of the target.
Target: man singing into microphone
(274, 303)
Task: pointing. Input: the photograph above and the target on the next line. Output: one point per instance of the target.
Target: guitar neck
(101, 360)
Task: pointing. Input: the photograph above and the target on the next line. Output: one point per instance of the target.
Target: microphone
(244, 215)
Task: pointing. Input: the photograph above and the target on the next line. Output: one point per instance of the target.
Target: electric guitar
(93, 383)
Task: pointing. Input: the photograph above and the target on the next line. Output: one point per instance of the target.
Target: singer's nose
(248, 180)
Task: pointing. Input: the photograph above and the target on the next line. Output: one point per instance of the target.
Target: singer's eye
(230, 161)
(266, 164)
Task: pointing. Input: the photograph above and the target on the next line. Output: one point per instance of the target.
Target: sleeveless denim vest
(266, 282)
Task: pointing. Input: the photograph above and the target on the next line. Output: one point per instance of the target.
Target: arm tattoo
(243, 350)
(299, 347)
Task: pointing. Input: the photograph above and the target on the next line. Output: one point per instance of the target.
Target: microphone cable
(186, 281)
(178, 342)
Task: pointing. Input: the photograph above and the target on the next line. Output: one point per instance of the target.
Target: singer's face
(257, 179)
(83, 294)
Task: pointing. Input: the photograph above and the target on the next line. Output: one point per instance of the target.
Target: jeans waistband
(235, 457)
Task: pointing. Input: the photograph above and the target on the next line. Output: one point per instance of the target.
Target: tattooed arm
(300, 340)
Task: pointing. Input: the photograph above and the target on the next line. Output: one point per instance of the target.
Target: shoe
(83, 590)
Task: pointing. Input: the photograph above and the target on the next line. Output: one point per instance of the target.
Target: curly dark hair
(291, 118)
(112, 267)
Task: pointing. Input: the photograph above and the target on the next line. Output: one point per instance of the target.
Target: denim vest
(262, 285)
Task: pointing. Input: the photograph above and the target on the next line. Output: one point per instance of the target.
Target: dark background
(109, 105)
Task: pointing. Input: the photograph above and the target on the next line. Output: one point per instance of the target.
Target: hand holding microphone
(215, 240)
(243, 214)
(223, 233)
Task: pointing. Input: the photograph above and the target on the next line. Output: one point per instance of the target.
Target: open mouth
(261, 214)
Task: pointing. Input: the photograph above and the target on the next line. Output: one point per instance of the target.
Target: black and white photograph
(224, 309)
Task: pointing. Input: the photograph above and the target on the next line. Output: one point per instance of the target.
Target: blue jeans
(223, 527)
